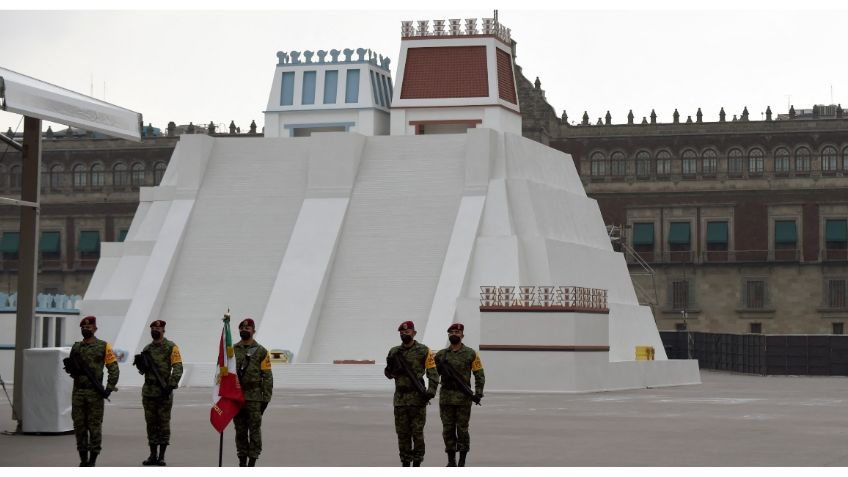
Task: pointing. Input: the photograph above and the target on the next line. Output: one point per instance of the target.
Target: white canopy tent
(37, 100)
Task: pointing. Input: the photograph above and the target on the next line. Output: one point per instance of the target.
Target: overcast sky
(217, 66)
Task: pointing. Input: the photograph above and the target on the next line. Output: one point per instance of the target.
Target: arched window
(734, 162)
(802, 159)
(137, 174)
(56, 174)
(845, 159)
(80, 176)
(15, 177)
(120, 176)
(97, 176)
(618, 166)
(689, 163)
(829, 159)
(599, 164)
(643, 164)
(781, 160)
(755, 161)
(663, 163)
(158, 172)
(709, 162)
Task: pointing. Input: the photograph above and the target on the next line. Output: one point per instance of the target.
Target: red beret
(456, 326)
(247, 322)
(157, 324)
(406, 325)
(88, 320)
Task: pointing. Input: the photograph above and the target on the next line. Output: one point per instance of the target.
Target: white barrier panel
(46, 391)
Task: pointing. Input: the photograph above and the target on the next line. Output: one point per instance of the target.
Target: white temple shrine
(329, 232)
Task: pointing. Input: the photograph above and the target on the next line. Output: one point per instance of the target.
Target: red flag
(227, 397)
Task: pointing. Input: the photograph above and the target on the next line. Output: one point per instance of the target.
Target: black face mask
(245, 335)
(454, 339)
(406, 339)
(155, 334)
(86, 334)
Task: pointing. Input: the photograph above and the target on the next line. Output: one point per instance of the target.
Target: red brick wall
(445, 72)
(506, 82)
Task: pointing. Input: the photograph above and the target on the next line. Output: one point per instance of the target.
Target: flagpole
(220, 448)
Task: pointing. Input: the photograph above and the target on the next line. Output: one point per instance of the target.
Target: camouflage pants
(157, 415)
(248, 424)
(455, 419)
(87, 414)
(409, 425)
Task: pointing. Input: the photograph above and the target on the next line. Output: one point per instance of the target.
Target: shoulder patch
(175, 355)
(477, 364)
(430, 362)
(109, 357)
(266, 363)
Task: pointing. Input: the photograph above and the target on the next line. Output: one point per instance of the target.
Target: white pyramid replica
(329, 234)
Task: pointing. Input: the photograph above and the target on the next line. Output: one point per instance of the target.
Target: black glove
(264, 406)
(106, 393)
(388, 373)
(430, 395)
(168, 391)
(477, 397)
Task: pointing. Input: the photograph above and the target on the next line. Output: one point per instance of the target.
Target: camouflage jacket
(96, 354)
(420, 360)
(253, 366)
(167, 359)
(465, 361)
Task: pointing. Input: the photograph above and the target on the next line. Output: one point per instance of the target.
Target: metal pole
(221, 449)
(28, 258)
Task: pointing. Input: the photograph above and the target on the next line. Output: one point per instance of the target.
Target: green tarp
(643, 234)
(89, 241)
(10, 243)
(49, 242)
(836, 231)
(678, 233)
(785, 232)
(716, 232)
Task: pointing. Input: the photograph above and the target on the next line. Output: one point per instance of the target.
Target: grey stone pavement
(729, 420)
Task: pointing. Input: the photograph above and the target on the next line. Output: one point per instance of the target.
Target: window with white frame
(80, 176)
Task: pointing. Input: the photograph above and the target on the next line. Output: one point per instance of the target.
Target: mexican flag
(227, 397)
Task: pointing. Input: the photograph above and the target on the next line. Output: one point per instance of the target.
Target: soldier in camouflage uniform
(410, 406)
(253, 365)
(86, 400)
(156, 399)
(454, 405)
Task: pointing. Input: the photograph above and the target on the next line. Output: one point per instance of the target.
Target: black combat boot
(416, 463)
(462, 455)
(404, 463)
(83, 458)
(251, 462)
(242, 461)
(151, 460)
(161, 460)
(92, 459)
(451, 459)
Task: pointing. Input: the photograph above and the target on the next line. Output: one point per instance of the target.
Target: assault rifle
(446, 369)
(400, 363)
(144, 362)
(75, 366)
